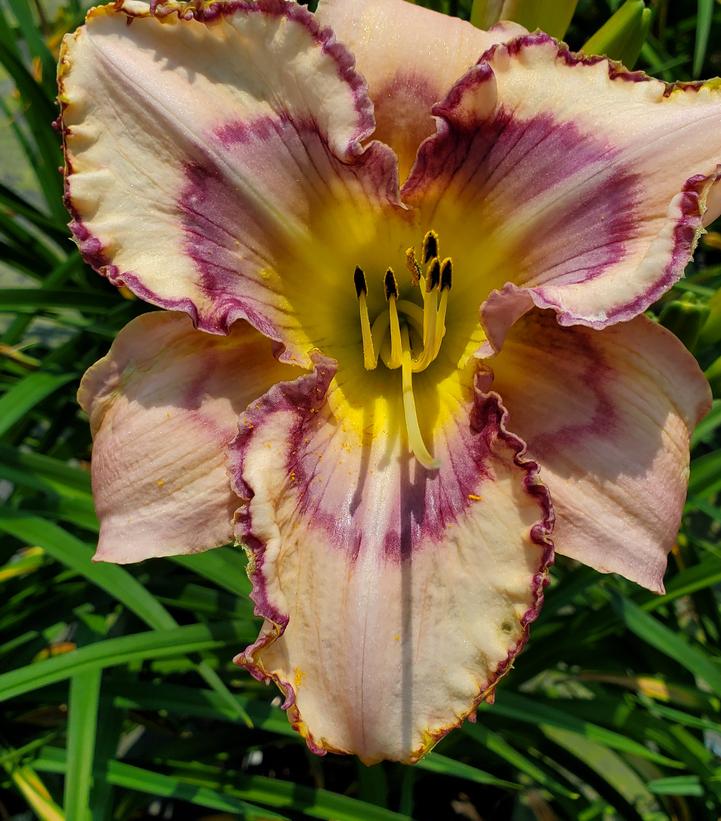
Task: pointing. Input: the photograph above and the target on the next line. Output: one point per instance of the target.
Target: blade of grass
(534, 711)
(53, 760)
(82, 728)
(135, 647)
(704, 18)
(116, 581)
(668, 642)
(28, 392)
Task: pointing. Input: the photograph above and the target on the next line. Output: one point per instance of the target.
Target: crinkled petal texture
(244, 120)
(394, 598)
(581, 185)
(608, 415)
(410, 57)
(163, 406)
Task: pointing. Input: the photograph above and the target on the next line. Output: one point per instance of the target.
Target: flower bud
(685, 317)
(622, 36)
(553, 18)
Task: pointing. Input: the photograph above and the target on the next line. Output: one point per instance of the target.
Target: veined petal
(608, 415)
(580, 184)
(410, 57)
(394, 598)
(206, 147)
(163, 406)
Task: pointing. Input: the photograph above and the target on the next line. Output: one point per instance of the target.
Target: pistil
(415, 437)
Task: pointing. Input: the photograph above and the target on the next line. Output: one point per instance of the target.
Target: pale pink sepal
(608, 415)
(163, 406)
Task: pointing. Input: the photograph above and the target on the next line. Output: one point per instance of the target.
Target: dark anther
(360, 282)
(391, 285)
(430, 246)
(434, 275)
(447, 274)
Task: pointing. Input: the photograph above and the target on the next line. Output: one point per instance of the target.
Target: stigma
(407, 334)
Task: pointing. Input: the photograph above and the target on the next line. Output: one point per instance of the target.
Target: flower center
(407, 335)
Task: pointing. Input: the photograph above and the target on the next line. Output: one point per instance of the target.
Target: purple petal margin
(305, 396)
(505, 306)
(92, 248)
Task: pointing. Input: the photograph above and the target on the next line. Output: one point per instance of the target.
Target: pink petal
(608, 415)
(410, 57)
(204, 147)
(581, 185)
(394, 598)
(163, 406)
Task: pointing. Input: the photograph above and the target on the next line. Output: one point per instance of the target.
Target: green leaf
(704, 18)
(71, 552)
(159, 785)
(540, 713)
(39, 113)
(708, 425)
(116, 581)
(668, 642)
(495, 744)
(677, 785)
(12, 299)
(224, 566)
(313, 803)
(705, 474)
(27, 393)
(82, 729)
(436, 763)
(135, 647)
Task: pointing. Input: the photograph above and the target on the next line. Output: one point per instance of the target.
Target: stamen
(413, 266)
(430, 246)
(446, 274)
(370, 357)
(390, 284)
(433, 277)
(415, 437)
(429, 292)
(446, 284)
(391, 288)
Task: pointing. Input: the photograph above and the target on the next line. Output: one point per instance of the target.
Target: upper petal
(163, 406)
(582, 185)
(206, 147)
(410, 57)
(394, 598)
(608, 415)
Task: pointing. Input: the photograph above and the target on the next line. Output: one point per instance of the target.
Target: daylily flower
(350, 368)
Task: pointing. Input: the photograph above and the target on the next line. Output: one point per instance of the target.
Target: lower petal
(608, 415)
(163, 406)
(394, 598)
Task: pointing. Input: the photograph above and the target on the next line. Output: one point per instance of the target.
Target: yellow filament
(413, 313)
(379, 330)
(415, 437)
(370, 359)
(440, 324)
(430, 301)
(395, 357)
